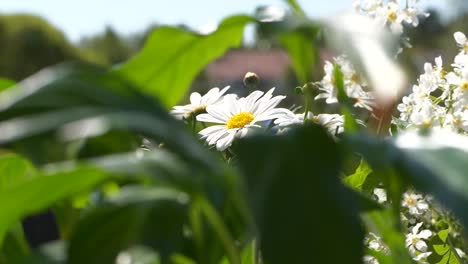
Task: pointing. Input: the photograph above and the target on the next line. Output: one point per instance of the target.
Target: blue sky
(84, 17)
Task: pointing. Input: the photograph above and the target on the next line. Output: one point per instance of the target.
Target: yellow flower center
(442, 74)
(315, 119)
(464, 86)
(457, 122)
(355, 78)
(240, 120)
(465, 47)
(414, 240)
(392, 15)
(410, 201)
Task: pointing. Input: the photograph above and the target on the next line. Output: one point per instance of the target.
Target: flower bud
(251, 80)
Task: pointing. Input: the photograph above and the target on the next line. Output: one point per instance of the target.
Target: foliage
(129, 183)
(29, 44)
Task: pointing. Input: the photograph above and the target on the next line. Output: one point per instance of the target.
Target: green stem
(221, 230)
(194, 123)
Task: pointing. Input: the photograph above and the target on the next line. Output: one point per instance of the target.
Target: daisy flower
(239, 116)
(199, 103)
(332, 122)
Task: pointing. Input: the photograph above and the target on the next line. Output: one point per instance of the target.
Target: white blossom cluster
(353, 82)
(415, 213)
(419, 215)
(440, 98)
(391, 13)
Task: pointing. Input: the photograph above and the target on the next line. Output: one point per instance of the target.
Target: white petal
(226, 141)
(231, 106)
(209, 119)
(210, 130)
(460, 38)
(425, 234)
(272, 114)
(213, 138)
(421, 246)
(416, 228)
(267, 105)
(195, 98)
(219, 112)
(250, 101)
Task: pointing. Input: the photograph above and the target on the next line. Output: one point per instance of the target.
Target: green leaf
(382, 223)
(172, 57)
(297, 8)
(41, 192)
(15, 246)
(299, 43)
(358, 178)
(436, 164)
(151, 217)
(5, 84)
(302, 210)
(443, 251)
(49, 253)
(14, 170)
(77, 101)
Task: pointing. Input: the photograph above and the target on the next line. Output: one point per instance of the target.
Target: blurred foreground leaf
(5, 84)
(172, 57)
(76, 102)
(434, 164)
(303, 212)
(149, 216)
(299, 43)
(41, 192)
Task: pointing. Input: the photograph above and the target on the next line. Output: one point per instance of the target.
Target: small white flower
(415, 240)
(239, 116)
(421, 257)
(353, 84)
(332, 122)
(391, 15)
(375, 242)
(199, 103)
(380, 194)
(460, 253)
(411, 15)
(370, 260)
(415, 203)
(461, 40)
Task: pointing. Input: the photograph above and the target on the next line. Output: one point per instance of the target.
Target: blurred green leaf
(77, 101)
(15, 246)
(41, 192)
(302, 211)
(382, 223)
(299, 43)
(437, 164)
(297, 8)
(152, 217)
(5, 84)
(434, 163)
(172, 57)
(14, 170)
(49, 253)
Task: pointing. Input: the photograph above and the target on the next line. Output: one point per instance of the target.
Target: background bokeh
(37, 34)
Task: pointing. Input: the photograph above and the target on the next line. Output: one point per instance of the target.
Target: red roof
(269, 65)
